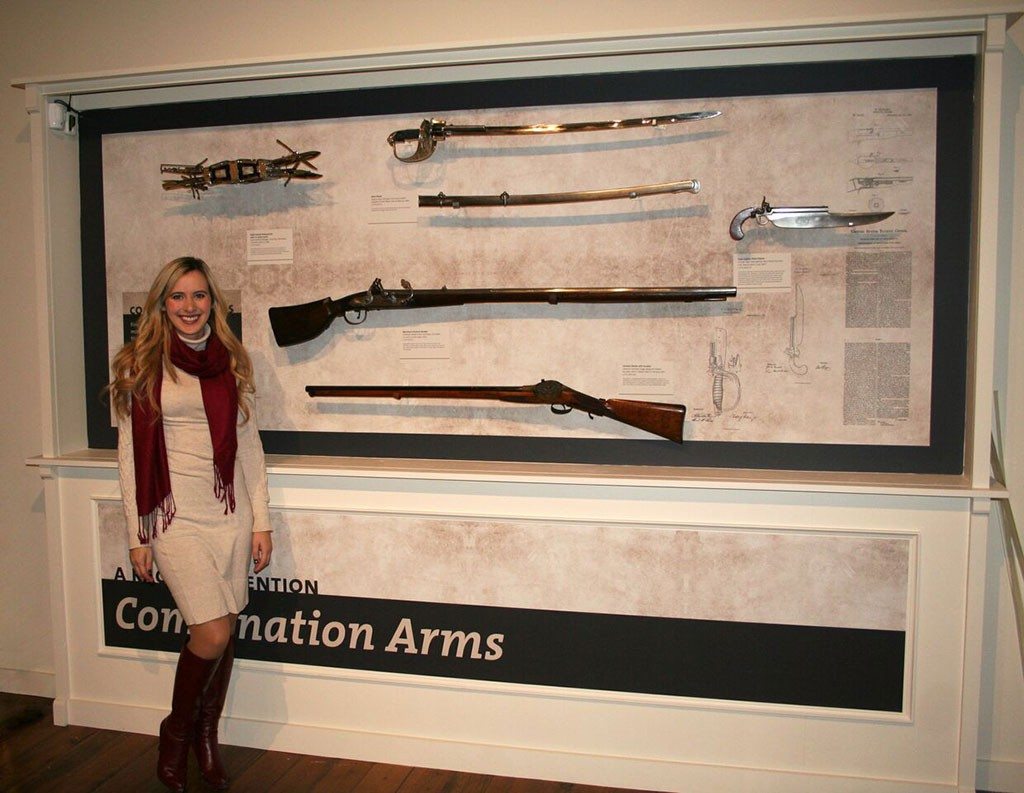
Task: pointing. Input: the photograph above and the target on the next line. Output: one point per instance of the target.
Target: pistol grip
(736, 227)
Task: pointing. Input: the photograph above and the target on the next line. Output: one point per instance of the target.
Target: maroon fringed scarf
(220, 400)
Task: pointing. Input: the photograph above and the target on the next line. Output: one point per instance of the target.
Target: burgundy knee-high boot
(211, 704)
(190, 680)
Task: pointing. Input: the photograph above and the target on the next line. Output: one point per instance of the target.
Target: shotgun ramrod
(659, 418)
(306, 321)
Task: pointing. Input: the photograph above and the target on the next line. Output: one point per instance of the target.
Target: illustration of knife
(800, 218)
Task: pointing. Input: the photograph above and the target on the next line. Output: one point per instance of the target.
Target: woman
(181, 392)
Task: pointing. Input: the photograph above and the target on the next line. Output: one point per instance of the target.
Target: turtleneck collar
(200, 343)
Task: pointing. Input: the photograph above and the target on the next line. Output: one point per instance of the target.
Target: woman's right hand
(142, 562)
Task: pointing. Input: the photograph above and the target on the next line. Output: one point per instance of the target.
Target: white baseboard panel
(116, 716)
(514, 761)
(33, 684)
(1004, 776)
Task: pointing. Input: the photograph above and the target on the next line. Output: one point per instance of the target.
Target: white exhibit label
(646, 379)
(392, 208)
(269, 246)
(420, 344)
(762, 272)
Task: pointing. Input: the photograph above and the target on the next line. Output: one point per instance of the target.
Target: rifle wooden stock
(295, 324)
(658, 418)
(306, 321)
(664, 419)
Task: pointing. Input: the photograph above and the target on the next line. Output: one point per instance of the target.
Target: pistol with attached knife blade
(819, 217)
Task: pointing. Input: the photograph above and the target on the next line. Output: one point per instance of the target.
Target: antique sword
(431, 131)
(506, 199)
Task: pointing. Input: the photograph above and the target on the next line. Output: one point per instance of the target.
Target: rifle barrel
(305, 321)
(499, 393)
(660, 418)
(427, 298)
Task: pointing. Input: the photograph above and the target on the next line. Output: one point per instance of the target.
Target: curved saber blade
(431, 131)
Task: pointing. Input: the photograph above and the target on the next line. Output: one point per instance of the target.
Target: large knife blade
(809, 217)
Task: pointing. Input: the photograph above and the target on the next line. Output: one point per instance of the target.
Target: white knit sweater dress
(204, 555)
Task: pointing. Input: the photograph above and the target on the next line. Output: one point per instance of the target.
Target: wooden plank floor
(36, 756)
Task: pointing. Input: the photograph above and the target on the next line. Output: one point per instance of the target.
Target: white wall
(26, 657)
(1000, 739)
(62, 37)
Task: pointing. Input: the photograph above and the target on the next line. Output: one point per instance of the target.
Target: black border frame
(953, 78)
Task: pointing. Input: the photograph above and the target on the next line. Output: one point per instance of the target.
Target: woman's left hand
(262, 548)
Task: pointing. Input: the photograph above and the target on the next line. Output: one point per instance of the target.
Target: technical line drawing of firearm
(719, 367)
(810, 217)
(859, 183)
(882, 161)
(883, 130)
(659, 418)
(796, 333)
(432, 131)
(306, 321)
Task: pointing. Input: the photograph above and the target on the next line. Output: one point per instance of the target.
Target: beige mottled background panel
(748, 575)
(796, 150)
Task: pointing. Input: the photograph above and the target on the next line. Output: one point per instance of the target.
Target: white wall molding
(31, 682)
(507, 760)
(560, 49)
(1002, 775)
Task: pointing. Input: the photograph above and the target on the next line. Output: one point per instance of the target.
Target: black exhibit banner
(707, 659)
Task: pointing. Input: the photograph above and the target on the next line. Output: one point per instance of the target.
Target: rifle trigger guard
(358, 319)
(560, 410)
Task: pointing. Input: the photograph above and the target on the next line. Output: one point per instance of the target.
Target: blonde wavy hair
(136, 365)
